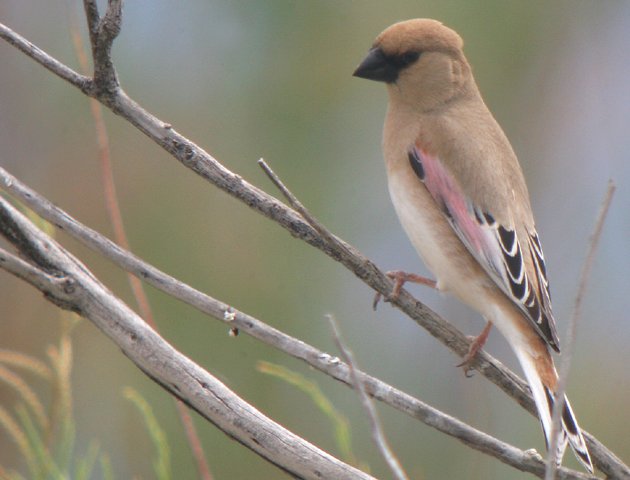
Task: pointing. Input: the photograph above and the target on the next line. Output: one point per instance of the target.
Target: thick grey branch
(72, 287)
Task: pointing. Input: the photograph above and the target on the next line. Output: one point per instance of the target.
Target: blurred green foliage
(44, 435)
(162, 462)
(44, 431)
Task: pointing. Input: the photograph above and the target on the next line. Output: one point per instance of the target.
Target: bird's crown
(420, 35)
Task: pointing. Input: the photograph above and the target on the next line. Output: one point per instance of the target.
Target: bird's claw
(377, 298)
(467, 360)
(476, 344)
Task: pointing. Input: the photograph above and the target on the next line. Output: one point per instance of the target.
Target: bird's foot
(400, 278)
(476, 344)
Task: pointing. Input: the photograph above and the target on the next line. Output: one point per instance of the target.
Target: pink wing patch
(496, 247)
(471, 226)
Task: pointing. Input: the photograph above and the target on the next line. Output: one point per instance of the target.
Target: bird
(461, 197)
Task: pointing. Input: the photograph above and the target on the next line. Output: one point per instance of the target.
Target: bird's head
(421, 61)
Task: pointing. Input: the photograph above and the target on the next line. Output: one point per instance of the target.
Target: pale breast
(441, 250)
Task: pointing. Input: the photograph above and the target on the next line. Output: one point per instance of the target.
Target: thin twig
(569, 348)
(378, 435)
(82, 82)
(301, 209)
(22, 269)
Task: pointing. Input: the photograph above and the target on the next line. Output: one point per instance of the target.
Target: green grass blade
(85, 466)
(19, 437)
(162, 462)
(47, 467)
(107, 471)
(340, 423)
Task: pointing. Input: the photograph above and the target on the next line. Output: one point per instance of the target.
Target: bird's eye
(406, 59)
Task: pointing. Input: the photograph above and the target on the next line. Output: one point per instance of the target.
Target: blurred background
(272, 79)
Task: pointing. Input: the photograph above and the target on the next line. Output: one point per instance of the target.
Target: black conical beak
(376, 66)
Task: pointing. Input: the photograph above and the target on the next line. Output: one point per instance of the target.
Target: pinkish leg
(400, 278)
(477, 344)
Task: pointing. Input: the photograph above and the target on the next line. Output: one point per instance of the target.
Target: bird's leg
(400, 278)
(477, 344)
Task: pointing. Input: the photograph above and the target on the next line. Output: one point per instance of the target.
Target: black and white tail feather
(545, 400)
(570, 432)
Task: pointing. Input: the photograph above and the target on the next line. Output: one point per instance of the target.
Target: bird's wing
(496, 246)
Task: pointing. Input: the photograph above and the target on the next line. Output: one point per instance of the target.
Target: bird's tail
(545, 399)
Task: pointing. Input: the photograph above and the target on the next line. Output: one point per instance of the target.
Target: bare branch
(81, 82)
(572, 332)
(93, 19)
(24, 270)
(67, 283)
(195, 158)
(525, 461)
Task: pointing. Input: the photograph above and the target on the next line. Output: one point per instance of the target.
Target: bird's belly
(435, 241)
